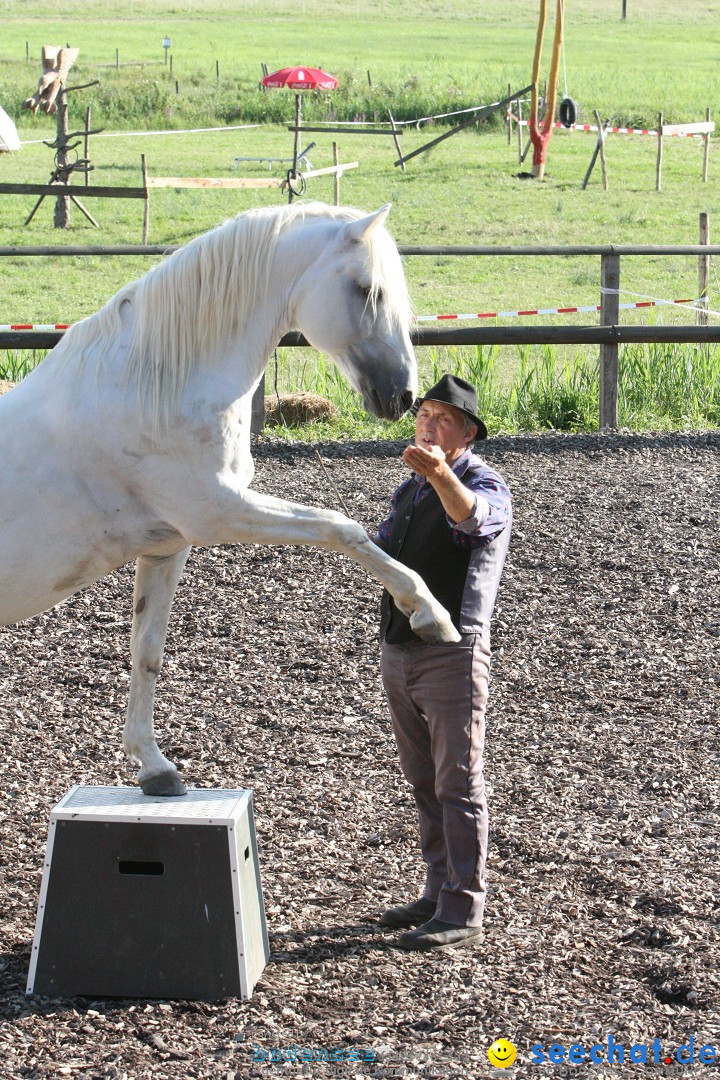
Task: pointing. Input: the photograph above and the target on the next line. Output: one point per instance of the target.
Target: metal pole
(703, 270)
(296, 148)
(609, 313)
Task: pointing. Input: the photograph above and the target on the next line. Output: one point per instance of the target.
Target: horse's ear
(358, 230)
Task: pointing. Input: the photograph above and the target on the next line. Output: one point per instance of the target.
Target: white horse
(132, 438)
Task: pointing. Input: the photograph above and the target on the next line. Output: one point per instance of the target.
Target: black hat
(460, 394)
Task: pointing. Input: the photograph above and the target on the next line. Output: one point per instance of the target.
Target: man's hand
(429, 463)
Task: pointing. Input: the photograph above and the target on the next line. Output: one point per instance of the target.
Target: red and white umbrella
(301, 78)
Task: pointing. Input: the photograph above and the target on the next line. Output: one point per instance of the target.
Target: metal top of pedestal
(211, 806)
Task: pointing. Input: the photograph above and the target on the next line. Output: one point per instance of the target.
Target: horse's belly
(50, 549)
(63, 525)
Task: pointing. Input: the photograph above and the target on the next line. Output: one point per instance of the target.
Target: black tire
(568, 112)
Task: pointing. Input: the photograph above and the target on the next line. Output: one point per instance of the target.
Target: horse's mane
(192, 301)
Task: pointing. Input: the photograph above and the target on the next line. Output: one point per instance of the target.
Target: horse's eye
(366, 290)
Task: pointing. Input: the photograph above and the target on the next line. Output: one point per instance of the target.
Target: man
(450, 521)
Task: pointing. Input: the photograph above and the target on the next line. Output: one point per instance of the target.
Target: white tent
(8, 133)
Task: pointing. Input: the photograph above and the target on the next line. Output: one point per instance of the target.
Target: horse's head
(352, 303)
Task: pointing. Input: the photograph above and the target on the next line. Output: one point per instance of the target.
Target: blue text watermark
(338, 1055)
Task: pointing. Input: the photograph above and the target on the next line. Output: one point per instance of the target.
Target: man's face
(442, 425)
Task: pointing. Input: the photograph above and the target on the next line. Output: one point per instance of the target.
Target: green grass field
(662, 58)
(464, 191)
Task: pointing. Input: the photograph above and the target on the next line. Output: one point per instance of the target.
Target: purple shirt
(492, 503)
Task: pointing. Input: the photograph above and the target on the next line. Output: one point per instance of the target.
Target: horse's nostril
(406, 400)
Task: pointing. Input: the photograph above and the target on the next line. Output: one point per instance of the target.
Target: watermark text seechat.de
(614, 1053)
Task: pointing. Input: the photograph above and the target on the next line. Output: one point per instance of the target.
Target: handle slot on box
(148, 869)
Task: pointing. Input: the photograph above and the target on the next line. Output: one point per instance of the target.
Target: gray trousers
(437, 696)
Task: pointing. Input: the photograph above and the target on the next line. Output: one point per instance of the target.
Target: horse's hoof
(434, 627)
(165, 783)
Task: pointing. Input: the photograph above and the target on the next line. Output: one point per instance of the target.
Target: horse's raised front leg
(250, 517)
(155, 583)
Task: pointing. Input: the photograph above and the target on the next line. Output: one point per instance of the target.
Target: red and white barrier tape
(620, 130)
(549, 311)
(441, 318)
(34, 326)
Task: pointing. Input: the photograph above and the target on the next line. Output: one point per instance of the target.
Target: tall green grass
(16, 364)
(660, 386)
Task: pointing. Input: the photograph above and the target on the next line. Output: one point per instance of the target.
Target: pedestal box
(144, 896)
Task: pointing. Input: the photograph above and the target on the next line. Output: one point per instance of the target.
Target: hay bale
(294, 409)
(5, 386)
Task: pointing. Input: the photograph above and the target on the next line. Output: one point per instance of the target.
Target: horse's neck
(274, 314)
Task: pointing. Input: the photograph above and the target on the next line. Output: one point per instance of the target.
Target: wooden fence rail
(404, 249)
(469, 335)
(87, 192)
(609, 335)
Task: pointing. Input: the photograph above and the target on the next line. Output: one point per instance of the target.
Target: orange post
(540, 131)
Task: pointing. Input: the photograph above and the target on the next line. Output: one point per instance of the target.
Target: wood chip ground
(603, 749)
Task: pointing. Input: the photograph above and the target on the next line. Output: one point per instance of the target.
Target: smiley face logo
(502, 1053)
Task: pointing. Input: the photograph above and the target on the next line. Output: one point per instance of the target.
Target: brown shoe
(436, 934)
(409, 914)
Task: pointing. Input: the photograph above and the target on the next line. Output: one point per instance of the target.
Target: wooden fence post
(601, 135)
(257, 409)
(336, 176)
(658, 167)
(599, 149)
(509, 116)
(62, 203)
(88, 114)
(609, 314)
(146, 210)
(703, 270)
(706, 150)
(519, 133)
(395, 139)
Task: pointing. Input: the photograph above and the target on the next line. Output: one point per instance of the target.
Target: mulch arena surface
(603, 917)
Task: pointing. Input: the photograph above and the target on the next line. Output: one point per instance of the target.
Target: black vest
(420, 538)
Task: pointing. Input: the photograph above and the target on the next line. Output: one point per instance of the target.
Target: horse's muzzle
(391, 408)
